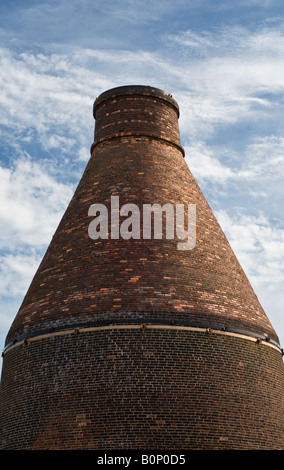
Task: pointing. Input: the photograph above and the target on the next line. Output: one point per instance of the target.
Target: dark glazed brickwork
(127, 389)
(143, 389)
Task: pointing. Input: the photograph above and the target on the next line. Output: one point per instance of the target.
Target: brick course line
(136, 134)
(142, 326)
(126, 92)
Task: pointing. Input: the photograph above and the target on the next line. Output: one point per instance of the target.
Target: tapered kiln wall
(134, 343)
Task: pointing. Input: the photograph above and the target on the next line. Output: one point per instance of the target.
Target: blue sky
(221, 60)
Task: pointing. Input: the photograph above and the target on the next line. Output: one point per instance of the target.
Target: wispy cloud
(16, 272)
(41, 96)
(262, 161)
(228, 75)
(235, 39)
(255, 238)
(32, 202)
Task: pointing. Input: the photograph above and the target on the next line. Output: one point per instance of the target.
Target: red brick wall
(142, 389)
(81, 279)
(136, 115)
(200, 384)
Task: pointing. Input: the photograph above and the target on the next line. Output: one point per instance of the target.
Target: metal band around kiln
(145, 326)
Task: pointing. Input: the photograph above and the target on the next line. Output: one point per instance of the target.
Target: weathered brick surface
(142, 389)
(137, 156)
(81, 279)
(149, 113)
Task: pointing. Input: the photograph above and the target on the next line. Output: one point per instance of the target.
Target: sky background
(223, 63)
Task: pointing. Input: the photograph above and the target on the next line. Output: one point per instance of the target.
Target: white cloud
(259, 246)
(261, 162)
(47, 97)
(229, 75)
(265, 157)
(235, 40)
(204, 163)
(219, 77)
(16, 272)
(32, 202)
(84, 154)
(256, 238)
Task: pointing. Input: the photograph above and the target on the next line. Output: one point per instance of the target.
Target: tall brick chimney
(133, 343)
